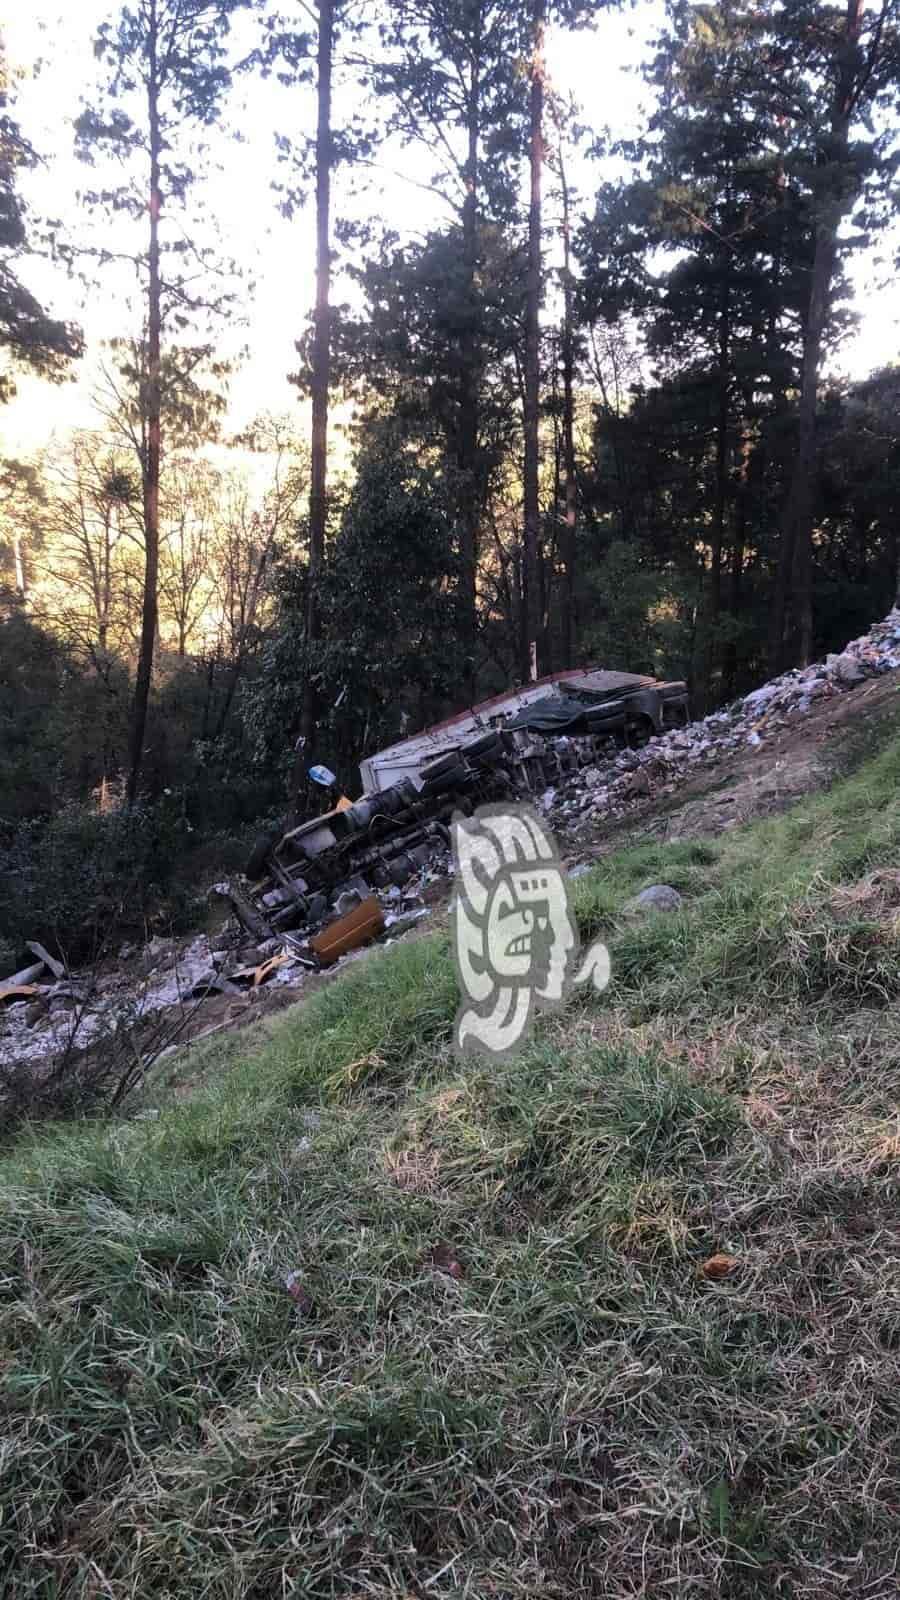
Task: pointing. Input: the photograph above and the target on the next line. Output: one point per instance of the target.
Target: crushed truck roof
(407, 756)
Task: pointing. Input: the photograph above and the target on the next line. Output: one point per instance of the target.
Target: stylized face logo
(515, 933)
(529, 931)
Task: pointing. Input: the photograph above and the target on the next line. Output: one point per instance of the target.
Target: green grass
(573, 1409)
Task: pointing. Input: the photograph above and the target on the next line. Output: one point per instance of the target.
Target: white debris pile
(63, 1014)
(71, 1015)
(657, 769)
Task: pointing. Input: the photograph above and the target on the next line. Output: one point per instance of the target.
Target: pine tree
(448, 75)
(533, 296)
(718, 319)
(30, 339)
(320, 374)
(301, 57)
(833, 76)
(166, 75)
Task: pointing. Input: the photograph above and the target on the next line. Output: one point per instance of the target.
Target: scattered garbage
(303, 1301)
(22, 979)
(579, 744)
(46, 1018)
(18, 991)
(665, 761)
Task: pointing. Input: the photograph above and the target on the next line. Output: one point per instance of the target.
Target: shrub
(82, 878)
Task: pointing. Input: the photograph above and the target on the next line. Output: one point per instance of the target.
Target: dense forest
(592, 415)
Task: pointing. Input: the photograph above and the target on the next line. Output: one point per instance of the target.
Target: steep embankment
(620, 1316)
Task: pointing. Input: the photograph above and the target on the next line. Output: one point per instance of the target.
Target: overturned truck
(515, 745)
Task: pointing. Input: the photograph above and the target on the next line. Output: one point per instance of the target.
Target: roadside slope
(620, 1316)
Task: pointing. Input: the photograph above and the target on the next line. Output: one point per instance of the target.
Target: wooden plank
(56, 967)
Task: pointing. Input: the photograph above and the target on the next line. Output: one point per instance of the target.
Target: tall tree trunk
(208, 695)
(799, 511)
(713, 602)
(321, 361)
(532, 520)
(19, 560)
(738, 546)
(795, 556)
(152, 448)
(569, 628)
(780, 426)
(467, 456)
(105, 596)
(862, 524)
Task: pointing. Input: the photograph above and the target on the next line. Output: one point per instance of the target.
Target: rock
(35, 1012)
(658, 897)
(849, 671)
(398, 924)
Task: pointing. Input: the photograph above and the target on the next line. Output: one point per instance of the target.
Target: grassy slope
(578, 1411)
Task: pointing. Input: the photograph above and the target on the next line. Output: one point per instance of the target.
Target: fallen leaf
(719, 1266)
(443, 1259)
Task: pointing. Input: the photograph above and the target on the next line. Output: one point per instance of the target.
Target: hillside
(330, 1315)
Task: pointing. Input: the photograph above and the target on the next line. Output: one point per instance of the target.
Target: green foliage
(54, 718)
(637, 618)
(186, 39)
(84, 881)
(709, 243)
(30, 339)
(390, 594)
(391, 645)
(71, 872)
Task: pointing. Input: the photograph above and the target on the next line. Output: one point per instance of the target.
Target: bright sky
(277, 254)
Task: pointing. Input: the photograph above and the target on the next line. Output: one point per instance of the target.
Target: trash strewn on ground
(579, 745)
(525, 744)
(611, 786)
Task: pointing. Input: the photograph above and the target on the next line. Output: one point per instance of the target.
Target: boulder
(658, 897)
